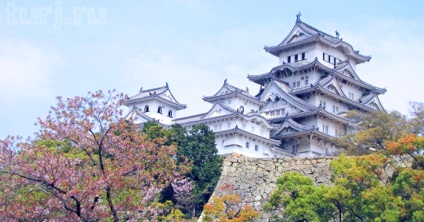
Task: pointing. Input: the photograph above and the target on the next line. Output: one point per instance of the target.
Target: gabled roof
(237, 130)
(317, 111)
(331, 84)
(303, 33)
(314, 132)
(225, 113)
(291, 124)
(229, 91)
(218, 109)
(345, 67)
(322, 90)
(353, 78)
(262, 79)
(295, 101)
(188, 119)
(162, 94)
(325, 113)
(370, 99)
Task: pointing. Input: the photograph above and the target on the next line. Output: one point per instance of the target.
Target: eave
(305, 133)
(237, 130)
(319, 38)
(261, 79)
(213, 99)
(361, 83)
(320, 89)
(155, 97)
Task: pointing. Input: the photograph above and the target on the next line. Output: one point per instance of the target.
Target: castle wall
(254, 179)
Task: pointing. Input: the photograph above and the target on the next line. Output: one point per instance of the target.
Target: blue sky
(66, 48)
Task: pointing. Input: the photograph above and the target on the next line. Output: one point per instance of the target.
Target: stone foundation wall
(255, 179)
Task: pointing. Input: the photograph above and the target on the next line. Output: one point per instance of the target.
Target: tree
(417, 120)
(198, 147)
(374, 131)
(366, 188)
(87, 163)
(226, 208)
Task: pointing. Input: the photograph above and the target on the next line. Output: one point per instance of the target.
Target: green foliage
(226, 208)
(302, 201)
(154, 131)
(365, 188)
(417, 121)
(374, 131)
(198, 147)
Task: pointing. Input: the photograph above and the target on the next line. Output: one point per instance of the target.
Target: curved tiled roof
(288, 122)
(156, 93)
(293, 67)
(331, 94)
(290, 98)
(304, 133)
(316, 35)
(232, 91)
(249, 134)
(262, 78)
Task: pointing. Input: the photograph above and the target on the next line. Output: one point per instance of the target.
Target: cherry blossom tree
(87, 163)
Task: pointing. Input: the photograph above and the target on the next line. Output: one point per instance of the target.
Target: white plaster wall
(284, 108)
(153, 108)
(332, 126)
(246, 125)
(330, 102)
(230, 144)
(247, 105)
(334, 52)
(308, 49)
(310, 121)
(348, 88)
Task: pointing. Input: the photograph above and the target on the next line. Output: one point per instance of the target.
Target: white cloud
(24, 70)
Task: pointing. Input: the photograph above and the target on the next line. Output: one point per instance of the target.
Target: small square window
(256, 147)
(247, 144)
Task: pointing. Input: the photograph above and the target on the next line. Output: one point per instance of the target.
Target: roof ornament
(247, 89)
(166, 85)
(337, 34)
(141, 89)
(225, 81)
(298, 17)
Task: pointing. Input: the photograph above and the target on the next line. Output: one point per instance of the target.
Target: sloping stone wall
(255, 179)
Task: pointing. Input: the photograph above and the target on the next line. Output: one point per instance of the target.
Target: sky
(51, 48)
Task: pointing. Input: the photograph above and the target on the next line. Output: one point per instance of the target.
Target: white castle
(299, 111)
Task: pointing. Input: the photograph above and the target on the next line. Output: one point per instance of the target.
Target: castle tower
(301, 106)
(309, 93)
(157, 104)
